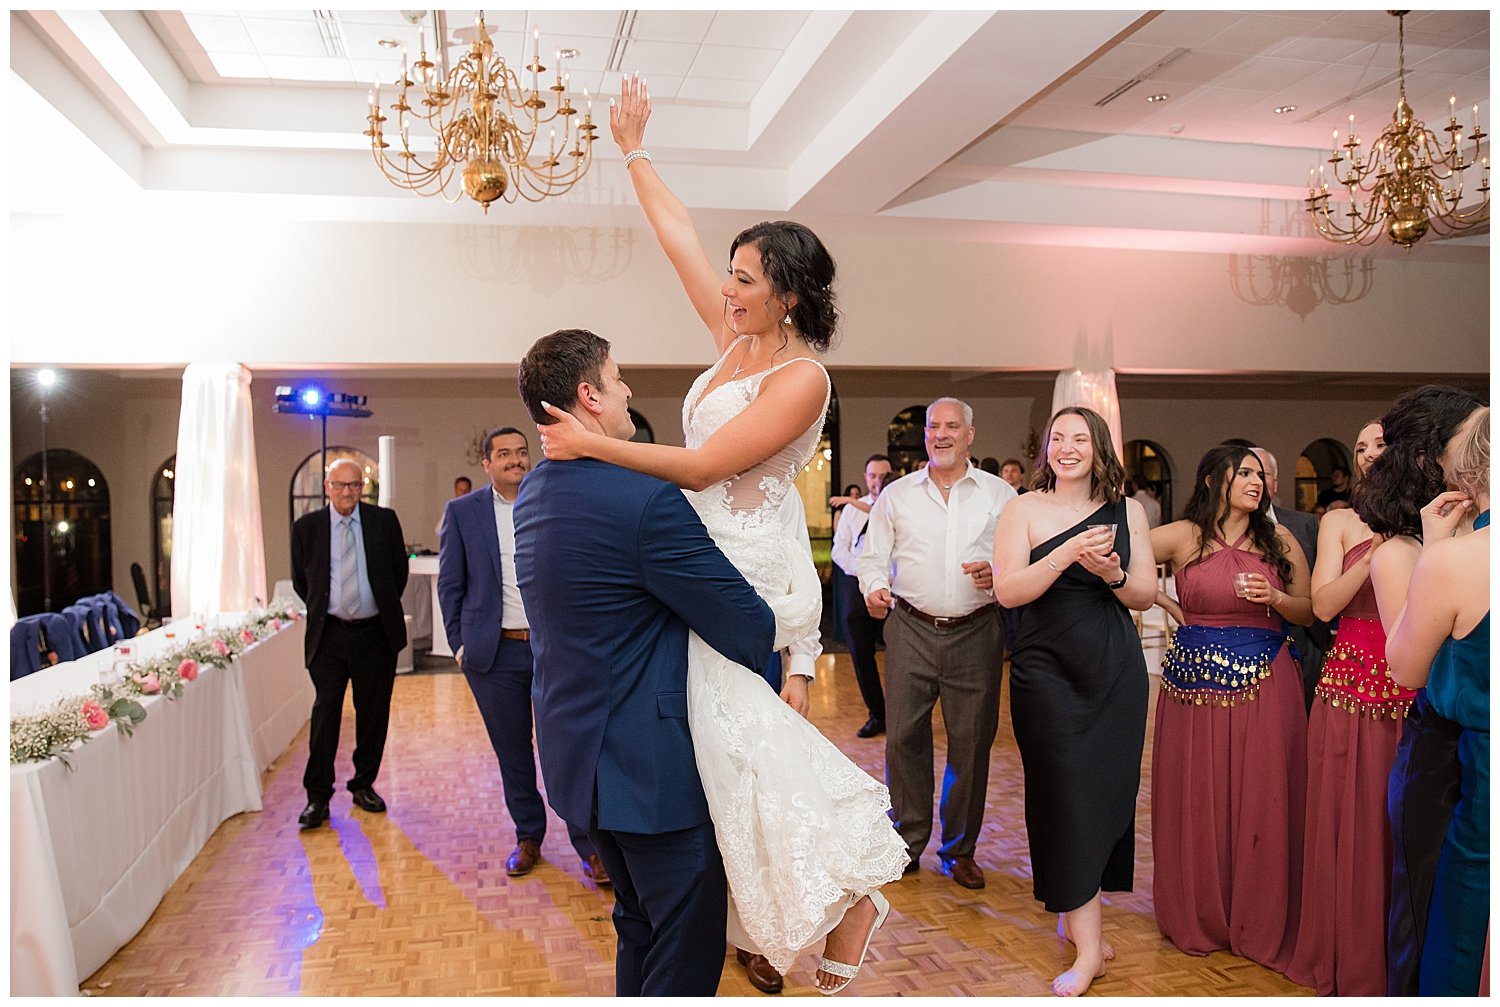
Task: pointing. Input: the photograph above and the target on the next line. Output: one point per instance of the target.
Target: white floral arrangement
(74, 720)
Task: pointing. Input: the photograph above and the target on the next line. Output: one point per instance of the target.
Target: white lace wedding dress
(803, 831)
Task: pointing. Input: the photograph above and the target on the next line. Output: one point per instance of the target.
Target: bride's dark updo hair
(796, 263)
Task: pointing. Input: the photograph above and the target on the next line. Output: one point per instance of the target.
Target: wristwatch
(1119, 583)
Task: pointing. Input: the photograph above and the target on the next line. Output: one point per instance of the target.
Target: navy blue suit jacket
(615, 567)
(469, 582)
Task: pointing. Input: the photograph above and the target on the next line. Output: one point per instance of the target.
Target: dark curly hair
(796, 263)
(1106, 475)
(1206, 508)
(1408, 475)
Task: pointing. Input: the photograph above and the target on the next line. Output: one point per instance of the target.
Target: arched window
(1317, 485)
(73, 524)
(1148, 466)
(307, 482)
(904, 443)
(163, 489)
(643, 432)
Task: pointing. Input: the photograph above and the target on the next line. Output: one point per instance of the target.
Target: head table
(94, 847)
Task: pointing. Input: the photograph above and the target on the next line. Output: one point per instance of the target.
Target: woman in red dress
(1229, 760)
(1352, 737)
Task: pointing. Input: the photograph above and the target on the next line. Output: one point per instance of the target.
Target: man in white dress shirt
(861, 631)
(926, 564)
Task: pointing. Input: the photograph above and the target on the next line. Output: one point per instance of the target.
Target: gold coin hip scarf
(1219, 665)
(1356, 678)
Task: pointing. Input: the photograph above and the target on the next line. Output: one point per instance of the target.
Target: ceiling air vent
(1146, 74)
(622, 40)
(328, 31)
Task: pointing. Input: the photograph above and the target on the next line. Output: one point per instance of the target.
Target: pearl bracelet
(637, 153)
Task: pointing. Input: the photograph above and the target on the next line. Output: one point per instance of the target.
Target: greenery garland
(53, 732)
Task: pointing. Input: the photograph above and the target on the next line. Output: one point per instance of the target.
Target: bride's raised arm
(666, 214)
(790, 401)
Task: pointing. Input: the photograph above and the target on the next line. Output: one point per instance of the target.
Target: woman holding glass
(1229, 759)
(1075, 556)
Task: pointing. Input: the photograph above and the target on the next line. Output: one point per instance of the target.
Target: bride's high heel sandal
(848, 972)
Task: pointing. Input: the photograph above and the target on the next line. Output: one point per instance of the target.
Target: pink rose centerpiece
(247, 636)
(220, 647)
(149, 683)
(276, 625)
(94, 715)
(188, 670)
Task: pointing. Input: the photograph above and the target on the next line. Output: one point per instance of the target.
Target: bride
(804, 832)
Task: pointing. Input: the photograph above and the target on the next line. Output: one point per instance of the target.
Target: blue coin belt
(1219, 665)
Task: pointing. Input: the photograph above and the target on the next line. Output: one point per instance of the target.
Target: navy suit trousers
(671, 900)
(503, 693)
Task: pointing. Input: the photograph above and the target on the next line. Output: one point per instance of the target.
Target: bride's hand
(564, 440)
(627, 117)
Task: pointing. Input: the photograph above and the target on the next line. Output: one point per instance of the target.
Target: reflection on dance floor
(416, 902)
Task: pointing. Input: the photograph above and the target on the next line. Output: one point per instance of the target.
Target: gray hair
(1268, 460)
(328, 472)
(949, 400)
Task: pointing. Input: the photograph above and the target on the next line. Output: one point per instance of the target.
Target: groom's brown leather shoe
(759, 971)
(965, 871)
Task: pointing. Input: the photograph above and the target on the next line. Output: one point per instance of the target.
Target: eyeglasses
(346, 486)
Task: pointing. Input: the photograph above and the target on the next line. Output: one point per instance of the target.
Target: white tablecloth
(94, 848)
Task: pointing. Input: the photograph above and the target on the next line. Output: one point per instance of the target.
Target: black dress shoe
(366, 798)
(314, 815)
(872, 727)
(759, 971)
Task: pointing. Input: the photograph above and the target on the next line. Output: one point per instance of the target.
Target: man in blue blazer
(616, 567)
(487, 628)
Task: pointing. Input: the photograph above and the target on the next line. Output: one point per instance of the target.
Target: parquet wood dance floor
(417, 902)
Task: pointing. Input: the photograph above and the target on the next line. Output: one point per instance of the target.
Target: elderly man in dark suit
(616, 567)
(349, 565)
(1312, 641)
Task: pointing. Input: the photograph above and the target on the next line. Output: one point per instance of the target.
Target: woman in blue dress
(1441, 640)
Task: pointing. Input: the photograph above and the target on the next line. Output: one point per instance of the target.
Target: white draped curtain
(218, 550)
(1095, 389)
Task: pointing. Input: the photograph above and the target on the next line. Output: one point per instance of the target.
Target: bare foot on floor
(846, 941)
(1075, 982)
(1063, 932)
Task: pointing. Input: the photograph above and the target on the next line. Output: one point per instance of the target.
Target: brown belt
(515, 634)
(943, 621)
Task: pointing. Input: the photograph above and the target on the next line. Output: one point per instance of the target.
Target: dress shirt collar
(924, 475)
(1271, 513)
(336, 517)
(500, 499)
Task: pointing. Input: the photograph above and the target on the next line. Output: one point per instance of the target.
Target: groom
(615, 568)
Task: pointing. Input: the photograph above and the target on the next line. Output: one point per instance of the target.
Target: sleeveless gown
(804, 832)
(1352, 735)
(1458, 917)
(1078, 694)
(1228, 784)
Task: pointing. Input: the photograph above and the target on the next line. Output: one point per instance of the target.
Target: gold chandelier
(1409, 184)
(487, 127)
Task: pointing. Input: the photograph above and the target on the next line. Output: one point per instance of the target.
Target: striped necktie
(349, 565)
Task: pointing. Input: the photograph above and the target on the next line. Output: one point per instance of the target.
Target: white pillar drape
(218, 549)
(1096, 390)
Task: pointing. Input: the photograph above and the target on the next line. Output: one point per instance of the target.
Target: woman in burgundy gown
(1229, 760)
(1355, 724)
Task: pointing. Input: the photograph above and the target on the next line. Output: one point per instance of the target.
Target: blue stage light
(312, 396)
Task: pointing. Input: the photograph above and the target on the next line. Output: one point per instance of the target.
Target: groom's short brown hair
(554, 367)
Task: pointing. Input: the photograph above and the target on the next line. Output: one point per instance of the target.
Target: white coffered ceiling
(979, 125)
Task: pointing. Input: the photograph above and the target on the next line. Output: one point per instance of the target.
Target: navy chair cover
(130, 619)
(25, 648)
(82, 618)
(60, 637)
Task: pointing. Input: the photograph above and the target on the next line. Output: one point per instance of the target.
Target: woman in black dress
(1077, 555)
